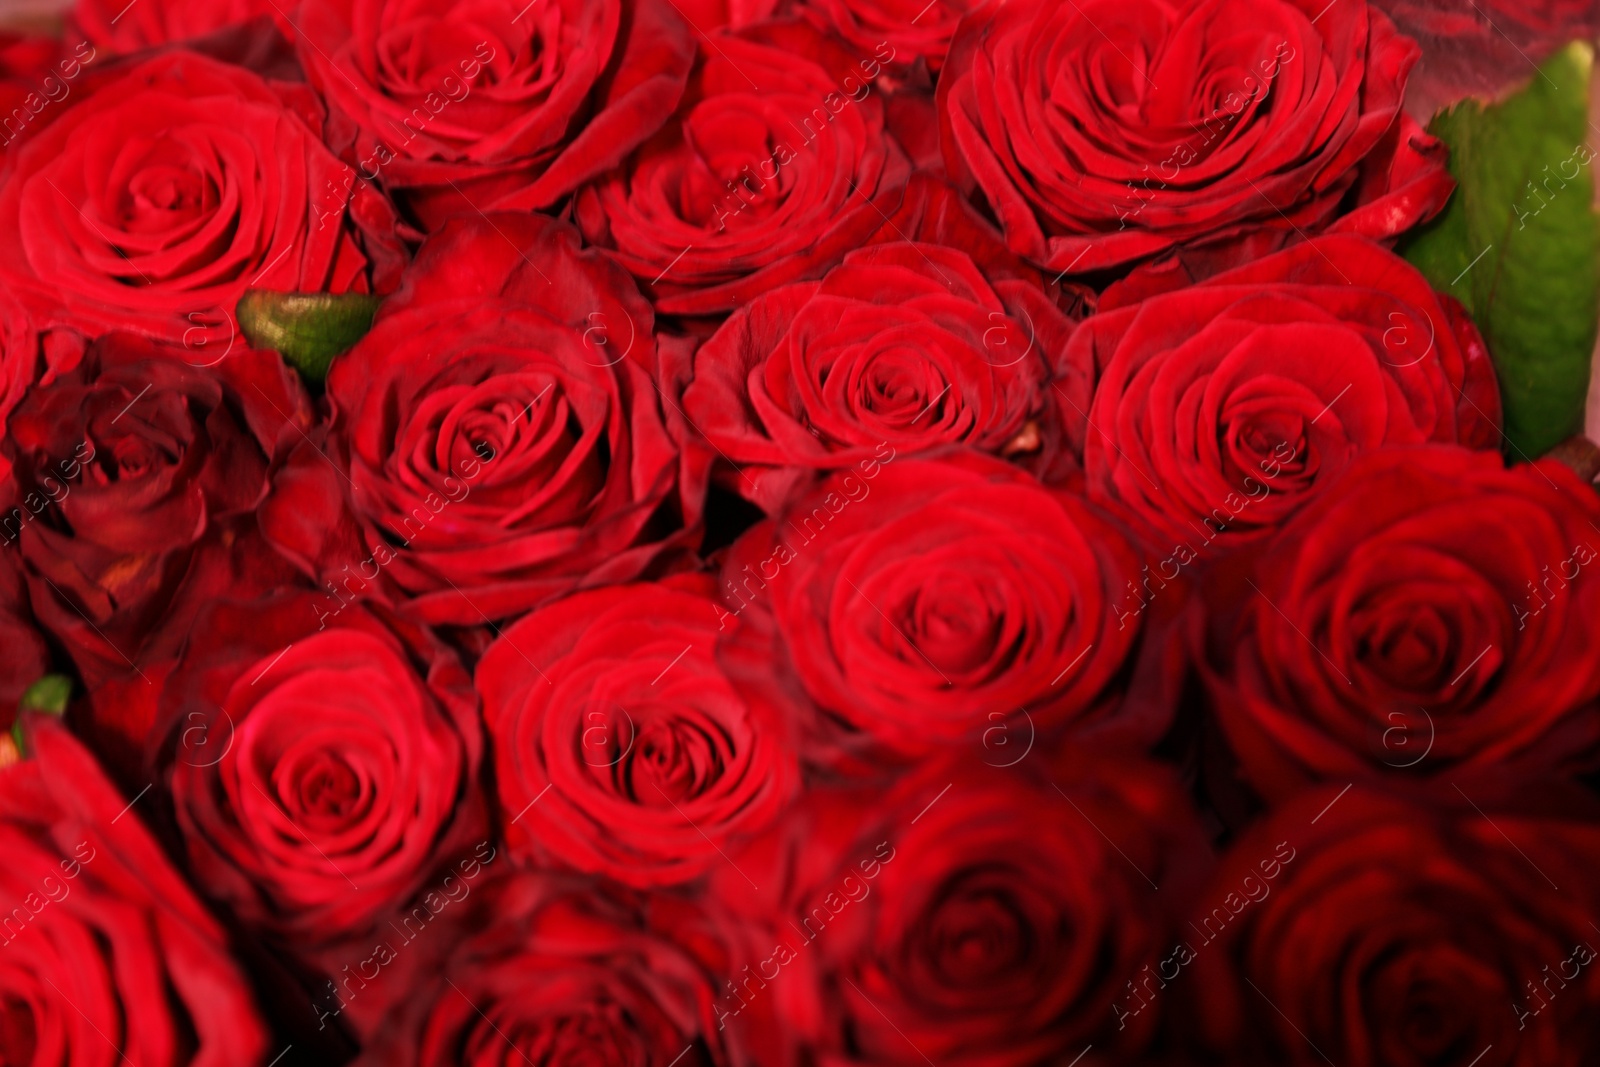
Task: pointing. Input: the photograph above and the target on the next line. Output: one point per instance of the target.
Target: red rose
(970, 915)
(27, 657)
(1222, 407)
(914, 610)
(1105, 133)
(137, 478)
(1483, 47)
(621, 746)
(319, 770)
(23, 359)
(753, 185)
(105, 954)
(146, 206)
(908, 344)
(132, 27)
(492, 104)
(496, 440)
(569, 972)
(915, 29)
(1431, 612)
(1360, 930)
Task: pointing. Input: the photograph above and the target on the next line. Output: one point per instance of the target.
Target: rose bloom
(912, 609)
(24, 359)
(492, 103)
(621, 747)
(105, 954)
(916, 29)
(37, 75)
(1222, 407)
(562, 972)
(27, 656)
(1375, 931)
(136, 479)
(903, 343)
(496, 440)
(1483, 48)
(319, 770)
(753, 184)
(1429, 614)
(1106, 133)
(124, 27)
(145, 206)
(970, 914)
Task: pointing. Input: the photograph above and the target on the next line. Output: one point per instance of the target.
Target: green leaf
(309, 329)
(1519, 244)
(49, 694)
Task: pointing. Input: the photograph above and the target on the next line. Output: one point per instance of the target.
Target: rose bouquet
(799, 533)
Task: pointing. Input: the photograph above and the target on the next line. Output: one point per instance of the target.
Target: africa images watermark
(52, 89)
(852, 889)
(451, 90)
(54, 890)
(453, 889)
(810, 527)
(783, 153)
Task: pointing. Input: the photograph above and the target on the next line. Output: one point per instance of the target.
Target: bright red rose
(146, 205)
(753, 184)
(1222, 407)
(903, 343)
(1431, 613)
(492, 104)
(105, 954)
(497, 439)
(124, 26)
(907, 601)
(26, 358)
(1105, 133)
(320, 770)
(970, 915)
(137, 477)
(915, 29)
(37, 75)
(621, 747)
(568, 972)
(1361, 930)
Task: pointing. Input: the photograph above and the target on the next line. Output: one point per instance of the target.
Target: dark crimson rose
(146, 205)
(137, 476)
(105, 954)
(971, 915)
(319, 769)
(27, 657)
(1431, 612)
(1222, 407)
(913, 607)
(561, 973)
(753, 185)
(1365, 931)
(132, 27)
(908, 344)
(621, 747)
(492, 104)
(1105, 133)
(915, 29)
(1483, 47)
(497, 439)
